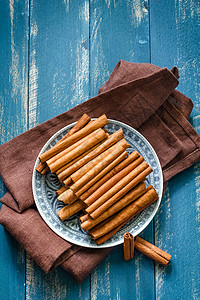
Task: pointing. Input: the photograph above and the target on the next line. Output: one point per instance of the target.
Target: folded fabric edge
(87, 259)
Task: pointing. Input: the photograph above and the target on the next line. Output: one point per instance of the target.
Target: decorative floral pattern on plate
(45, 186)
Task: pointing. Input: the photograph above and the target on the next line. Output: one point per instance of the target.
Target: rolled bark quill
(87, 167)
(152, 251)
(115, 137)
(40, 167)
(92, 140)
(113, 180)
(84, 218)
(107, 157)
(72, 147)
(88, 223)
(62, 172)
(69, 210)
(121, 192)
(110, 174)
(116, 188)
(98, 123)
(97, 169)
(80, 124)
(126, 214)
(68, 181)
(61, 190)
(68, 197)
(128, 246)
(101, 174)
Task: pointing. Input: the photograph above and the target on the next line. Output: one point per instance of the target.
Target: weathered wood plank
(119, 30)
(177, 223)
(58, 80)
(13, 117)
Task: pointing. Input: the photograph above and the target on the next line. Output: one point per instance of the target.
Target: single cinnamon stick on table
(88, 223)
(128, 212)
(114, 179)
(110, 174)
(128, 246)
(113, 190)
(120, 192)
(152, 251)
(93, 139)
(69, 210)
(98, 123)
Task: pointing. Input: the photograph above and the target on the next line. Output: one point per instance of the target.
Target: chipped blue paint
(13, 118)
(177, 222)
(73, 48)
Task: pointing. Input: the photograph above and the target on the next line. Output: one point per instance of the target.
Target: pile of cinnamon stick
(98, 177)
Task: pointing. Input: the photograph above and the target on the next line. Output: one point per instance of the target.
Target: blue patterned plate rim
(44, 186)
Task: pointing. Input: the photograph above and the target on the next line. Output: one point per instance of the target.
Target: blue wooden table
(55, 54)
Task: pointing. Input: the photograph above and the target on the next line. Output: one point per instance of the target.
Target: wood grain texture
(177, 222)
(58, 81)
(73, 48)
(59, 57)
(119, 30)
(13, 116)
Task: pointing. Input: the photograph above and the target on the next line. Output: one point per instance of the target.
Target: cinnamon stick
(69, 210)
(61, 190)
(84, 218)
(92, 140)
(152, 251)
(101, 174)
(98, 123)
(98, 168)
(68, 197)
(113, 190)
(128, 212)
(113, 180)
(40, 167)
(121, 191)
(67, 182)
(128, 246)
(112, 139)
(110, 174)
(88, 223)
(45, 170)
(84, 169)
(72, 147)
(62, 173)
(79, 125)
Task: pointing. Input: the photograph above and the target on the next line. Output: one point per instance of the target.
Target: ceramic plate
(44, 187)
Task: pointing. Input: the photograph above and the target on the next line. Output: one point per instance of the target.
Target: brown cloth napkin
(140, 95)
